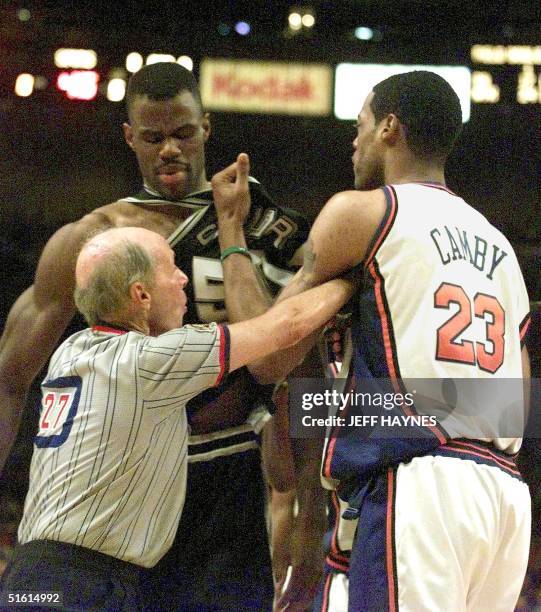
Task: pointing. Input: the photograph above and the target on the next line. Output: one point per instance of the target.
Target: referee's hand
(231, 192)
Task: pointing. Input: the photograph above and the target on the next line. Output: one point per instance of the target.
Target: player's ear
(128, 134)
(206, 126)
(390, 128)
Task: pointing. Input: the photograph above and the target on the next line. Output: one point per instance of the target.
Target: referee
(110, 455)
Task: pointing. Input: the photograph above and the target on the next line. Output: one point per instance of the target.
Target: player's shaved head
(161, 81)
(108, 264)
(426, 105)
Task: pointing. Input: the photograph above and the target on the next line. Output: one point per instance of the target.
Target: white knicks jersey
(452, 285)
(443, 309)
(450, 299)
(110, 459)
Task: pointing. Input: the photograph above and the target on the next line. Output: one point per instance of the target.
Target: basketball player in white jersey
(443, 524)
(108, 475)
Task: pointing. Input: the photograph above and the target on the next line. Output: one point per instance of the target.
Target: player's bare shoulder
(162, 219)
(349, 219)
(367, 207)
(56, 266)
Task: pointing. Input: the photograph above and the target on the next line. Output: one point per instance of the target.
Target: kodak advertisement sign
(266, 87)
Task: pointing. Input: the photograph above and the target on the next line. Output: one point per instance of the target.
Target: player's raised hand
(230, 189)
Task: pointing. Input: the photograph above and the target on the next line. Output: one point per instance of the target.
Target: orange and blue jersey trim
(481, 452)
(390, 549)
(389, 343)
(326, 591)
(373, 579)
(385, 225)
(225, 345)
(326, 468)
(384, 315)
(524, 328)
(336, 557)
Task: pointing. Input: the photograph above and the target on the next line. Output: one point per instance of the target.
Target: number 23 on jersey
(487, 353)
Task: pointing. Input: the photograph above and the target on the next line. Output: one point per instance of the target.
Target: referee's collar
(110, 328)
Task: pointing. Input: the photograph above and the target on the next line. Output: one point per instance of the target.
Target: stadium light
(364, 33)
(116, 90)
(243, 28)
(155, 58)
(134, 62)
(186, 61)
(79, 84)
(24, 14)
(223, 29)
(85, 59)
(295, 20)
(299, 18)
(24, 85)
(308, 20)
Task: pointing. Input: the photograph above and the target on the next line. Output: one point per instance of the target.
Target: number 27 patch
(59, 403)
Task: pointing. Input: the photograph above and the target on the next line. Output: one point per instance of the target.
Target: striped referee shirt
(110, 459)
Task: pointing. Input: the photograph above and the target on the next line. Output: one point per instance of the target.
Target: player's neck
(203, 185)
(413, 170)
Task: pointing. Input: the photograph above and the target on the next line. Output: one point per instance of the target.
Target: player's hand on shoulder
(231, 191)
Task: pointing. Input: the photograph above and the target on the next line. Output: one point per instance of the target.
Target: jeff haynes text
(373, 420)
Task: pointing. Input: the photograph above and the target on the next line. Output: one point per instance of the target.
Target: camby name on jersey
(456, 244)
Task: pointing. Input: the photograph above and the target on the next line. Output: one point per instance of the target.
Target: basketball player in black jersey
(220, 561)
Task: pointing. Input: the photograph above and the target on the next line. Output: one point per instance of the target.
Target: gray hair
(106, 296)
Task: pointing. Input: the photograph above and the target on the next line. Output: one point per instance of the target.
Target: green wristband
(234, 249)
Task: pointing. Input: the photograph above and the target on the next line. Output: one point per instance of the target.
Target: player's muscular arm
(292, 469)
(276, 455)
(339, 239)
(245, 296)
(35, 323)
(279, 462)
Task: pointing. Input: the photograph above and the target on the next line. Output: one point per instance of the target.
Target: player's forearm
(275, 446)
(245, 296)
(312, 310)
(306, 550)
(311, 521)
(311, 498)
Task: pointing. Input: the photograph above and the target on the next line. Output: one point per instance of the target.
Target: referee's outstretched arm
(127, 277)
(287, 323)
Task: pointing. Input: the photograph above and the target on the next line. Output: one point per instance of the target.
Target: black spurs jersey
(273, 235)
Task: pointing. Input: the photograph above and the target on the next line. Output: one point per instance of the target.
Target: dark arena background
(61, 157)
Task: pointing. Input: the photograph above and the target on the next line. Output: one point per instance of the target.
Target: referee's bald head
(108, 243)
(108, 264)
